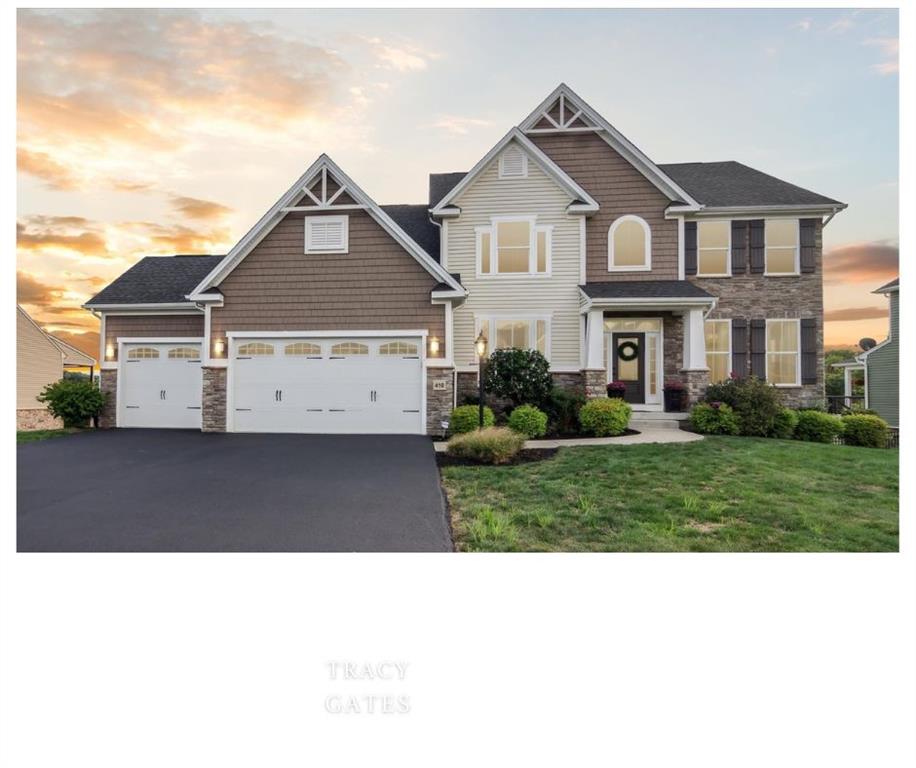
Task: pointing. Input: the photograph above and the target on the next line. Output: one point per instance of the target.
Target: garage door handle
(193, 407)
(409, 411)
(131, 406)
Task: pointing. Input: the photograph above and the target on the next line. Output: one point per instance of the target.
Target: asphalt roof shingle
(414, 220)
(729, 183)
(440, 184)
(157, 280)
(645, 289)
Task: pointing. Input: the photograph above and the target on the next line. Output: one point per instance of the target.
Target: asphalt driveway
(183, 491)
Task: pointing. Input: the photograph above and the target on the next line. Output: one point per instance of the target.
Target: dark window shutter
(758, 258)
(808, 350)
(808, 228)
(759, 348)
(739, 247)
(739, 347)
(690, 248)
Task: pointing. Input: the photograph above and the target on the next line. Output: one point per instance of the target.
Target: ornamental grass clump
(605, 417)
(714, 419)
(492, 445)
(529, 421)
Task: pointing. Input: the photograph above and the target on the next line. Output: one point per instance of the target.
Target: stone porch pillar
(695, 370)
(594, 375)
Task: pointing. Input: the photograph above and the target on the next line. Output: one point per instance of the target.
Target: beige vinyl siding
(377, 285)
(620, 189)
(884, 371)
(38, 362)
(152, 326)
(556, 295)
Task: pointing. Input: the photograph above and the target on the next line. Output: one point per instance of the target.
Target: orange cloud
(71, 233)
(875, 262)
(855, 313)
(46, 168)
(30, 290)
(177, 238)
(194, 208)
(87, 341)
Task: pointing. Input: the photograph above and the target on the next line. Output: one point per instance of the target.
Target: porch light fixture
(481, 346)
(434, 346)
(109, 351)
(219, 346)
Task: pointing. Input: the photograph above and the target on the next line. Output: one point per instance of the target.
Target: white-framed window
(784, 353)
(718, 349)
(298, 348)
(714, 248)
(327, 234)
(782, 253)
(514, 246)
(253, 348)
(515, 331)
(629, 245)
(401, 348)
(184, 353)
(143, 353)
(350, 348)
(513, 163)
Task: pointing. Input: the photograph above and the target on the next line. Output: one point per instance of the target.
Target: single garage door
(159, 385)
(339, 385)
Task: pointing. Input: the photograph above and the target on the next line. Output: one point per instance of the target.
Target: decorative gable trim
(563, 111)
(582, 202)
(321, 172)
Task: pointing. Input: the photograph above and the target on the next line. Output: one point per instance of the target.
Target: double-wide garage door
(339, 385)
(160, 385)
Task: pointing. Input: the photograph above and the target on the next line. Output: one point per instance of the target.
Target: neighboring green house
(881, 364)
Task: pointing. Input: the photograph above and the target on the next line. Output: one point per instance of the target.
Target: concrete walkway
(644, 437)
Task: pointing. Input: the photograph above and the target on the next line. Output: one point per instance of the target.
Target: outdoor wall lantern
(219, 346)
(109, 351)
(434, 346)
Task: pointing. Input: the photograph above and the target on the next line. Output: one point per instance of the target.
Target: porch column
(594, 339)
(847, 382)
(594, 375)
(694, 341)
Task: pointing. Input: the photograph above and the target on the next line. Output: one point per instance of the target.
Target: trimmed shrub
(72, 401)
(605, 416)
(784, 424)
(562, 408)
(865, 430)
(493, 445)
(528, 420)
(818, 427)
(518, 375)
(755, 402)
(714, 419)
(466, 418)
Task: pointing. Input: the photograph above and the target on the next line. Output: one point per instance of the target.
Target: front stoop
(642, 421)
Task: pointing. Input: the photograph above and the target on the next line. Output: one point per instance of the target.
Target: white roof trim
(588, 203)
(151, 307)
(617, 140)
(751, 210)
(674, 302)
(270, 219)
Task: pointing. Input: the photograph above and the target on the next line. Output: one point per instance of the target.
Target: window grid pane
(256, 348)
(782, 336)
(780, 261)
(485, 252)
(143, 353)
(349, 348)
(713, 234)
(713, 261)
(183, 353)
(302, 348)
(541, 251)
(629, 245)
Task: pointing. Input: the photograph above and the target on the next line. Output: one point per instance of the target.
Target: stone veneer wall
(595, 382)
(439, 401)
(108, 381)
(696, 383)
(213, 400)
(571, 382)
(36, 418)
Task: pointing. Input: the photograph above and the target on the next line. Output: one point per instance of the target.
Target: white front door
(159, 385)
(340, 385)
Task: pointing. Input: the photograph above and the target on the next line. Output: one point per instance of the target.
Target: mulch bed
(525, 456)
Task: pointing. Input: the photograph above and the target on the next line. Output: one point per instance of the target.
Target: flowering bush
(616, 388)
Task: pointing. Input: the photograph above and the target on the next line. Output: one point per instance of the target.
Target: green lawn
(42, 434)
(724, 494)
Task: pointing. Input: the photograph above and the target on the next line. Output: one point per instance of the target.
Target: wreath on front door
(629, 350)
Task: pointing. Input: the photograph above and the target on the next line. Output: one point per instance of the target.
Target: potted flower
(616, 389)
(675, 392)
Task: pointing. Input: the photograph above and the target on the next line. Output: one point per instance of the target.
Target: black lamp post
(481, 347)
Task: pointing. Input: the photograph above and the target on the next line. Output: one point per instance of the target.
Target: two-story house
(335, 314)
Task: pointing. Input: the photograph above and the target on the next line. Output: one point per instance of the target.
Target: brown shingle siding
(138, 326)
(619, 189)
(376, 286)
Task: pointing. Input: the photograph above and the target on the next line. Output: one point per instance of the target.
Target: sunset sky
(160, 132)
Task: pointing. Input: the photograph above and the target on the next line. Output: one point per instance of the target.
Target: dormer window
(326, 234)
(513, 163)
(629, 243)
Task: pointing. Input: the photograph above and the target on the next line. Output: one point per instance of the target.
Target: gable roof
(440, 184)
(730, 184)
(269, 220)
(70, 355)
(156, 280)
(582, 201)
(414, 220)
(668, 186)
(891, 287)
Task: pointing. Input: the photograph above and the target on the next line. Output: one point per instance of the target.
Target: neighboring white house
(40, 360)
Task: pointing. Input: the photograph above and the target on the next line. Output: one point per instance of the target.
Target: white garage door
(159, 385)
(345, 385)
